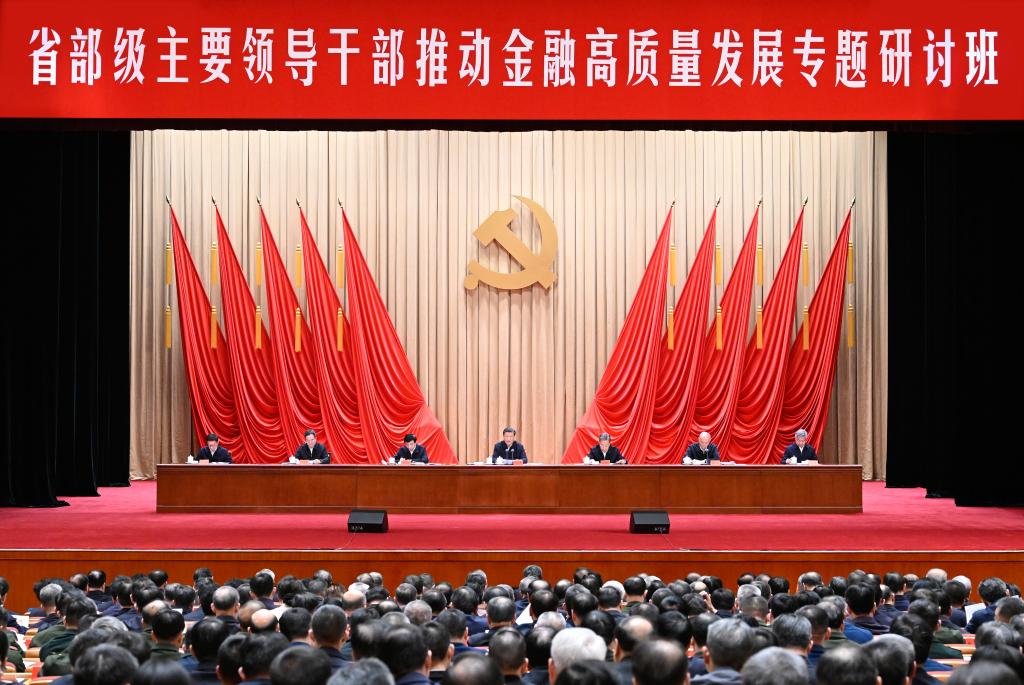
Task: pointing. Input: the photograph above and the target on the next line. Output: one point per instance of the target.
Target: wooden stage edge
(24, 567)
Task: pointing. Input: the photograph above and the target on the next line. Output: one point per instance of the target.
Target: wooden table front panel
(535, 489)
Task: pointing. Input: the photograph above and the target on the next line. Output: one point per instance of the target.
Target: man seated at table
(799, 451)
(508, 449)
(213, 452)
(605, 451)
(311, 450)
(410, 452)
(703, 451)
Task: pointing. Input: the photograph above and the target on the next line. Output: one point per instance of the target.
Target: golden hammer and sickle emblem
(536, 266)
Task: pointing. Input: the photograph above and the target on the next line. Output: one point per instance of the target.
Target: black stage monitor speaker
(368, 521)
(648, 522)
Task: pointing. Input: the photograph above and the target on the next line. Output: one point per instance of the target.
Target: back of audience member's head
(106, 664)
(438, 642)
(162, 672)
(929, 611)
(792, 631)
(835, 607)
(730, 643)
(538, 646)
(294, 623)
(782, 603)
(893, 656)
(587, 673)
(474, 668)
(995, 633)
(365, 638)
(699, 626)
(917, 631)
(168, 625)
(984, 673)
(775, 666)
(1007, 655)
(369, 671)
(229, 659)
(575, 644)
(206, 637)
(466, 600)
(328, 624)
(659, 662)
(672, 625)
(602, 623)
(778, 584)
(403, 650)
(300, 666)
(258, 652)
(1008, 607)
(818, 618)
(992, 590)
(508, 649)
(633, 630)
(846, 665)
(723, 599)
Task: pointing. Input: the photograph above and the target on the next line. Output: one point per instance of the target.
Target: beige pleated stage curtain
(484, 358)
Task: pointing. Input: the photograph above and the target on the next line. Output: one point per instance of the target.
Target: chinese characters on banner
(686, 58)
(450, 59)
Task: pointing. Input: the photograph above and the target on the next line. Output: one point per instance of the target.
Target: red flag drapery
(391, 402)
(339, 405)
(251, 368)
(722, 370)
(752, 438)
(810, 373)
(624, 401)
(295, 377)
(679, 373)
(207, 369)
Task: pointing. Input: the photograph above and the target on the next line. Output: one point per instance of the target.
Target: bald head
(353, 600)
(246, 612)
(263, 621)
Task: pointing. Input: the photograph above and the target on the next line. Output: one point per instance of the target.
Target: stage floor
(893, 519)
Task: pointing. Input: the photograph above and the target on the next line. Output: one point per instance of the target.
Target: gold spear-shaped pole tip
(341, 204)
(297, 203)
(167, 199)
(718, 202)
(853, 201)
(213, 200)
(805, 201)
(759, 201)
(673, 203)
(259, 201)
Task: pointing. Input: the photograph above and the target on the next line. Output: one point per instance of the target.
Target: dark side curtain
(955, 265)
(64, 349)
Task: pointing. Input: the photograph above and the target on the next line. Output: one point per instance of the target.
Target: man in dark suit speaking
(701, 452)
(604, 450)
(410, 452)
(508, 449)
(311, 450)
(213, 452)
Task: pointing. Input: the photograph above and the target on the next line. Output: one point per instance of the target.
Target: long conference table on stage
(528, 489)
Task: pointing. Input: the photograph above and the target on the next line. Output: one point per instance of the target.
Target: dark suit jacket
(419, 454)
(538, 676)
(958, 617)
(219, 455)
(794, 451)
(694, 452)
(623, 671)
(981, 617)
(319, 453)
(613, 454)
(503, 451)
(337, 660)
